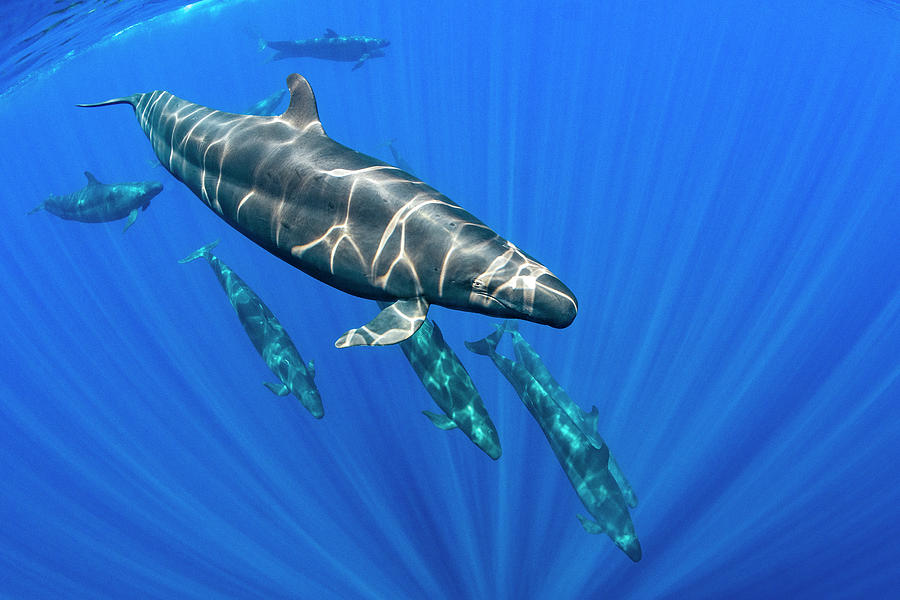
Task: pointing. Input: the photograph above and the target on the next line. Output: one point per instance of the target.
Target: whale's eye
(478, 284)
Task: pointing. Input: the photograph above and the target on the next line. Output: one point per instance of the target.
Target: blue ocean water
(717, 182)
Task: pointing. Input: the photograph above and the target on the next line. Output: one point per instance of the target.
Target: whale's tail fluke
(37, 208)
(488, 345)
(132, 100)
(201, 253)
(261, 43)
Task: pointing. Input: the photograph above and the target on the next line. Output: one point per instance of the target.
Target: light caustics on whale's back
(349, 220)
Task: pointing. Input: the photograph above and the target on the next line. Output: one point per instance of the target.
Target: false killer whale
(354, 222)
(101, 202)
(586, 464)
(331, 46)
(585, 421)
(450, 386)
(268, 336)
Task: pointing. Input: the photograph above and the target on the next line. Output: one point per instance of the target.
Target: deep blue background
(717, 181)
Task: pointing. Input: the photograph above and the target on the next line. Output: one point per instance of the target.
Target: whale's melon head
(149, 190)
(490, 275)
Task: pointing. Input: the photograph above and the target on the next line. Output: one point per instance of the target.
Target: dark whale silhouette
(101, 202)
(331, 46)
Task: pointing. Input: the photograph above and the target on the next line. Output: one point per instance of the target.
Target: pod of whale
(268, 336)
(100, 202)
(347, 219)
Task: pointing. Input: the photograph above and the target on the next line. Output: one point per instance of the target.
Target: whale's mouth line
(500, 302)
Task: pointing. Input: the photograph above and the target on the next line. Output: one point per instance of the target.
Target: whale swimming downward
(347, 219)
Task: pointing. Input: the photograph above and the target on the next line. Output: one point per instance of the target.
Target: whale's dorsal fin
(91, 179)
(302, 111)
(329, 33)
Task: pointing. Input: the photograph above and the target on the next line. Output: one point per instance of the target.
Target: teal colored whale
(268, 336)
(447, 381)
(586, 465)
(586, 421)
(101, 202)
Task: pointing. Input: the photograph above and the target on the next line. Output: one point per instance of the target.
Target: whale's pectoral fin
(440, 421)
(361, 60)
(394, 324)
(589, 525)
(132, 216)
(625, 487)
(279, 389)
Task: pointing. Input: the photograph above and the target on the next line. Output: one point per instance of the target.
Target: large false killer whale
(585, 465)
(331, 46)
(268, 336)
(101, 202)
(347, 219)
(450, 386)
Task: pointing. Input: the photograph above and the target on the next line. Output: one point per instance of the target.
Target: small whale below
(330, 46)
(102, 202)
(448, 383)
(267, 335)
(445, 378)
(585, 421)
(351, 221)
(586, 464)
